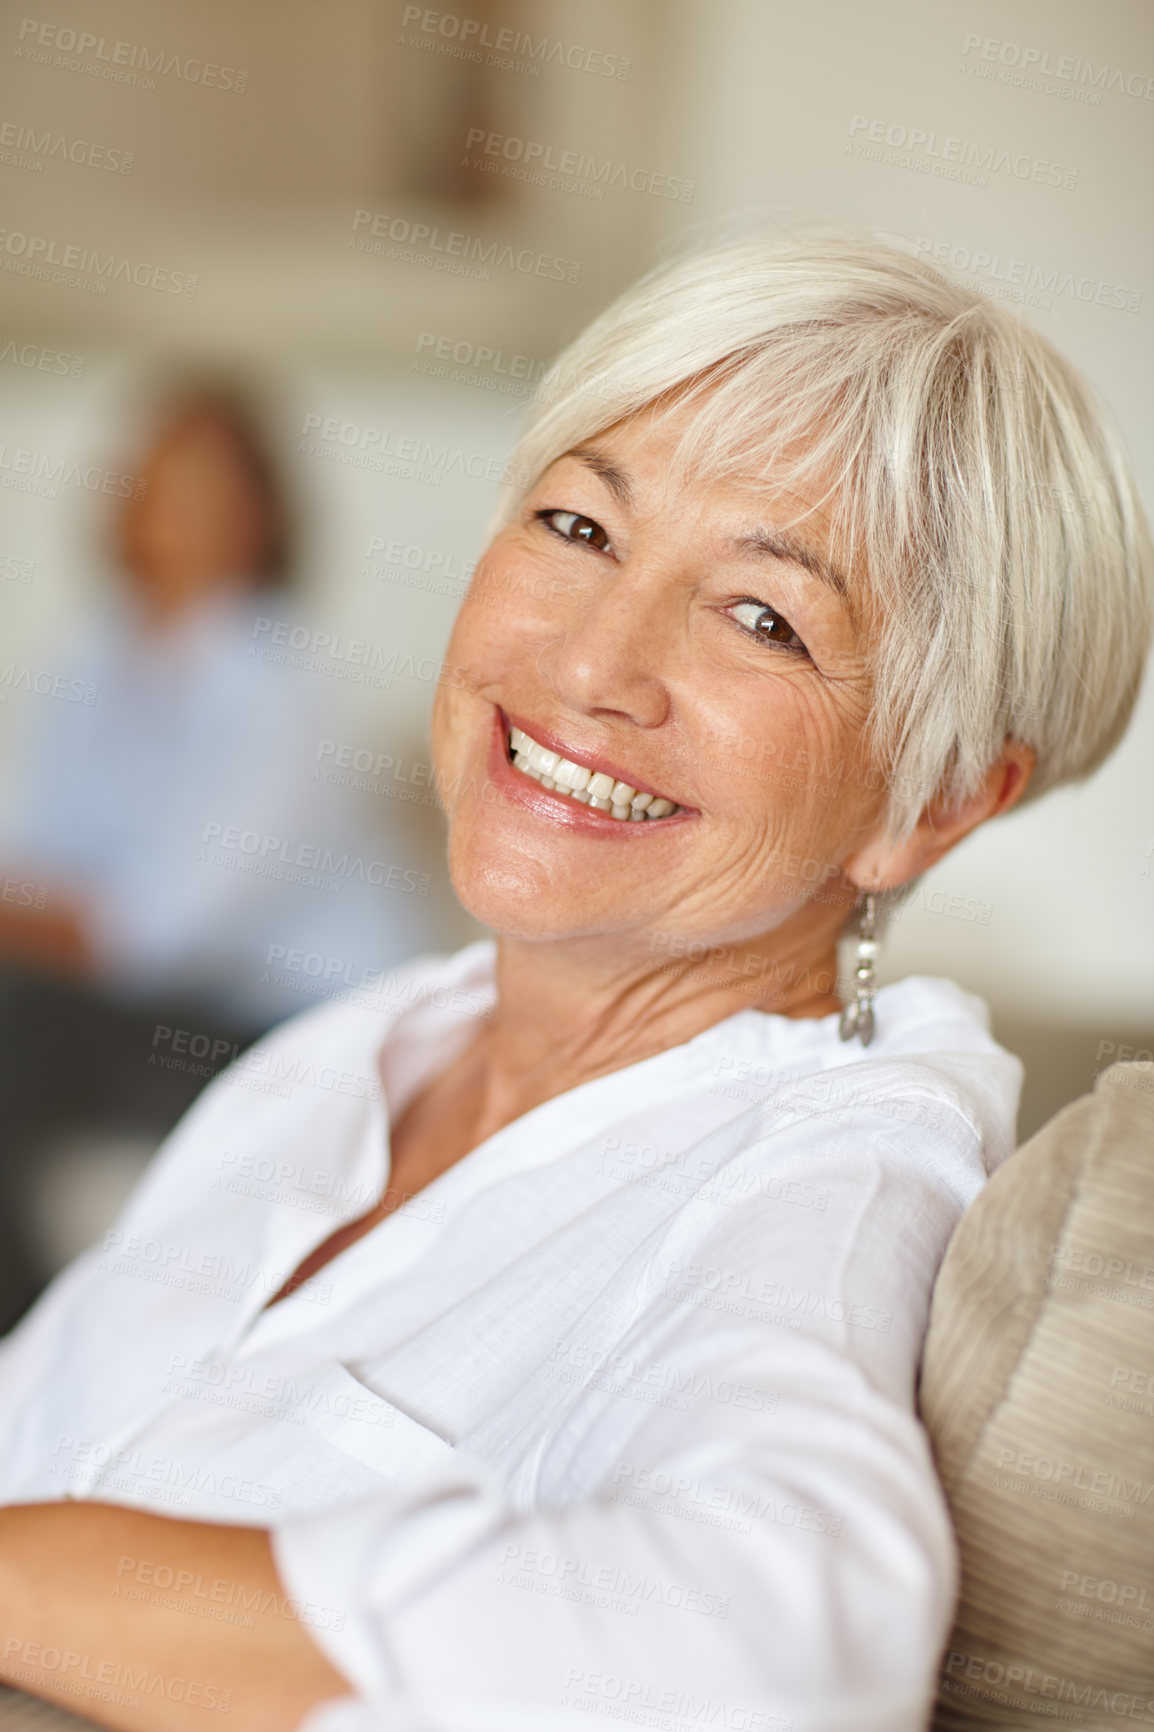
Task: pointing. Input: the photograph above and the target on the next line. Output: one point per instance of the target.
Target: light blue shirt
(192, 741)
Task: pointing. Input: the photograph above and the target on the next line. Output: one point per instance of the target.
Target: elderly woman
(534, 1336)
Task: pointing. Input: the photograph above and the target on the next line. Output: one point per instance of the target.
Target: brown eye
(765, 622)
(572, 527)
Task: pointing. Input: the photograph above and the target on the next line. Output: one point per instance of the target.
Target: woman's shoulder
(856, 1161)
(933, 1067)
(921, 1004)
(946, 1032)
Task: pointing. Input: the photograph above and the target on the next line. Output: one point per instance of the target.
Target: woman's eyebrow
(777, 544)
(615, 479)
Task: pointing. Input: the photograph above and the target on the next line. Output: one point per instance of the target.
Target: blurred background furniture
(390, 279)
(21, 1713)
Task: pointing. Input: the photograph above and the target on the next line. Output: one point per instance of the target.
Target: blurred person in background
(149, 946)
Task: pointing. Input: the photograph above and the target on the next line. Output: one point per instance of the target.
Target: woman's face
(201, 526)
(673, 638)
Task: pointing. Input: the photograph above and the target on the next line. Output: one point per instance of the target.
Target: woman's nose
(615, 653)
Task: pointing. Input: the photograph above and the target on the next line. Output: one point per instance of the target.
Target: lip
(552, 743)
(560, 808)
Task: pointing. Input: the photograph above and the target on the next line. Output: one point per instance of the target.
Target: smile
(588, 787)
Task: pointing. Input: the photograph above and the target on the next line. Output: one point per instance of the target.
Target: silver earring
(858, 1017)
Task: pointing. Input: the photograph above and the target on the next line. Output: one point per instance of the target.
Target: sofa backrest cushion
(1037, 1389)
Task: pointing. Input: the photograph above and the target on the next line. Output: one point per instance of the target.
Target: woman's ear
(881, 864)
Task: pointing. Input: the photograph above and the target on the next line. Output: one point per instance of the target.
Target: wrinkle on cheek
(735, 885)
(522, 589)
(760, 876)
(803, 779)
(748, 870)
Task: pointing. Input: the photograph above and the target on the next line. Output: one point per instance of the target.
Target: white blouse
(615, 1418)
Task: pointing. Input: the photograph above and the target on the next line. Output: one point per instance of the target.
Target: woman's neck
(573, 1010)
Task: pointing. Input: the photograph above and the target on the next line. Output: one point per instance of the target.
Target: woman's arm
(738, 1523)
(78, 1628)
(784, 1568)
(54, 937)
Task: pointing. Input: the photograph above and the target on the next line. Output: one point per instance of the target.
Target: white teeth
(542, 759)
(588, 787)
(568, 775)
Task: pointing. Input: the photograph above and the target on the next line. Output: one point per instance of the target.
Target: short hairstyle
(979, 495)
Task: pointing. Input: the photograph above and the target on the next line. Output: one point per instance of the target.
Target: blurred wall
(384, 214)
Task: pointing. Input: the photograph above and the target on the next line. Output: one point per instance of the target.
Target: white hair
(978, 493)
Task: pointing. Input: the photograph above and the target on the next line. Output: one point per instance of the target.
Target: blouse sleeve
(771, 1555)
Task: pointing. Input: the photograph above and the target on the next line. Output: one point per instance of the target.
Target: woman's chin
(515, 895)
